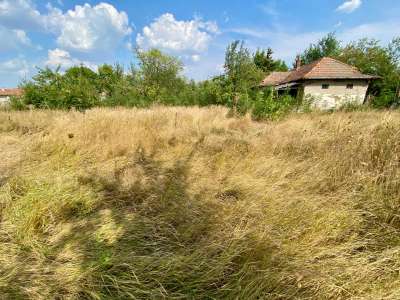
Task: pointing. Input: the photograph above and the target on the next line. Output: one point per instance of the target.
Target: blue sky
(69, 32)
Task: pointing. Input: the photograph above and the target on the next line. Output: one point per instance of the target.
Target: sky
(36, 34)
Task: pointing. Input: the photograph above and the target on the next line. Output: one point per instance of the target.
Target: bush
(17, 103)
(386, 99)
(268, 105)
(352, 106)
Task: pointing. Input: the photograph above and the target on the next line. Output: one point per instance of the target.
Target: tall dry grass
(187, 203)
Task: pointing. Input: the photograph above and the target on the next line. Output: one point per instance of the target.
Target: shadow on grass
(150, 238)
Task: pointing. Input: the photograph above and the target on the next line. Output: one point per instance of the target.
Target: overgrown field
(186, 203)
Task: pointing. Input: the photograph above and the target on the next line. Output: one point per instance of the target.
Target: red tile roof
(275, 78)
(324, 68)
(10, 92)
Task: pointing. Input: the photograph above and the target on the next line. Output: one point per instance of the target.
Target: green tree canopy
(51, 89)
(265, 62)
(158, 73)
(371, 58)
(108, 78)
(240, 70)
(327, 46)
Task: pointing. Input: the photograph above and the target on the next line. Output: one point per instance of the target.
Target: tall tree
(265, 62)
(158, 73)
(327, 46)
(240, 70)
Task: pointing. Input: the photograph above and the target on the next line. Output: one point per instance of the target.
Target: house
(6, 94)
(327, 82)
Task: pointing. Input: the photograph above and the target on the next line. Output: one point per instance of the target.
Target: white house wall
(4, 100)
(337, 94)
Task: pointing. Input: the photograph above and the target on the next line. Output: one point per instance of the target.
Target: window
(325, 86)
(350, 86)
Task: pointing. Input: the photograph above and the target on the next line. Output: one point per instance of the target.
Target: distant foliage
(157, 78)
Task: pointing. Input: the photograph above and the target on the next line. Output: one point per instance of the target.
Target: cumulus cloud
(87, 28)
(63, 59)
(180, 37)
(349, 6)
(84, 28)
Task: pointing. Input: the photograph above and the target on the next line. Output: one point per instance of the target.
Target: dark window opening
(350, 86)
(325, 86)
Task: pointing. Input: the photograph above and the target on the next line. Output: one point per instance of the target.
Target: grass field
(185, 203)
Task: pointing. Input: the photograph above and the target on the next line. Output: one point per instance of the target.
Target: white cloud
(22, 37)
(16, 66)
(180, 37)
(195, 57)
(13, 71)
(63, 59)
(349, 6)
(384, 31)
(84, 28)
(20, 14)
(87, 28)
(13, 39)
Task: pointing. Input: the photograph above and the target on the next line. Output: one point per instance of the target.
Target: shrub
(268, 105)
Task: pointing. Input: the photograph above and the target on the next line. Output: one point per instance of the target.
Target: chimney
(298, 62)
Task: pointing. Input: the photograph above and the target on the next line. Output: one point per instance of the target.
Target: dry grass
(186, 203)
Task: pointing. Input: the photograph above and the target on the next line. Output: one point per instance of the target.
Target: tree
(327, 46)
(240, 70)
(108, 78)
(79, 89)
(158, 74)
(76, 88)
(264, 61)
(372, 58)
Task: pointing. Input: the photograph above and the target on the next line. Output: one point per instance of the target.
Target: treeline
(157, 78)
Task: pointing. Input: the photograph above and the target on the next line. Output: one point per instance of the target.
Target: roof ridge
(323, 68)
(316, 62)
(312, 65)
(343, 63)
